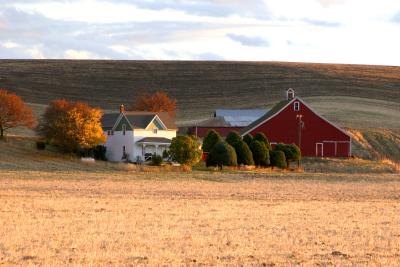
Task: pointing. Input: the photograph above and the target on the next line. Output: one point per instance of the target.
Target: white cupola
(290, 94)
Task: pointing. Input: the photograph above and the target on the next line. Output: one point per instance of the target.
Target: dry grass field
(56, 210)
(198, 219)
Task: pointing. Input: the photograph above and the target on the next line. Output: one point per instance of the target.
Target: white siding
(115, 143)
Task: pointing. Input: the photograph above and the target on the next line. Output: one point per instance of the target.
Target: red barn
(293, 121)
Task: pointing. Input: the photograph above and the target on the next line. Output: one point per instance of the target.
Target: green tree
(243, 153)
(185, 150)
(222, 154)
(248, 138)
(262, 138)
(260, 153)
(278, 159)
(210, 140)
(292, 152)
(233, 138)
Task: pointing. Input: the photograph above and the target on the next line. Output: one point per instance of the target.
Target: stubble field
(199, 218)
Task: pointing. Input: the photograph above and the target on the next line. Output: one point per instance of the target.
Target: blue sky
(335, 31)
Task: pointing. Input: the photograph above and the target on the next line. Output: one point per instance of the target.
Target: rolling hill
(351, 95)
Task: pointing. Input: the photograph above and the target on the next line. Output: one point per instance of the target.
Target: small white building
(132, 135)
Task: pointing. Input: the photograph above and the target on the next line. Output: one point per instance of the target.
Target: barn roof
(239, 117)
(138, 119)
(274, 110)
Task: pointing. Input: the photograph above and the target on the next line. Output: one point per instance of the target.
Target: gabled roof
(138, 119)
(239, 117)
(273, 111)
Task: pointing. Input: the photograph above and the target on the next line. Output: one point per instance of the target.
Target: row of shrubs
(250, 150)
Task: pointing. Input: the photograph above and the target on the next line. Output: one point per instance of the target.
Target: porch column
(143, 148)
(156, 149)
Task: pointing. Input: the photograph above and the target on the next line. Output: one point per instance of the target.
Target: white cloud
(345, 31)
(80, 54)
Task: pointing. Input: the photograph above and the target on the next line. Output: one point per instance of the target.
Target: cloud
(396, 17)
(322, 23)
(247, 40)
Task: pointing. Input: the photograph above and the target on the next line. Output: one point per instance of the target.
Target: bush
(260, 153)
(262, 138)
(165, 154)
(210, 140)
(292, 152)
(99, 153)
(185, 150)
(156, 160)
(248, 138)
(222, 154)
(233, 138)
(278, 159)
(40, 145)
(243, 153)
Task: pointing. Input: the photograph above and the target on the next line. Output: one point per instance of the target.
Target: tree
(262, 138)
(222, 154)
(292, 152)
(14, 112)
(233, 138)
(278, 159)
(260, 153)
(72, 126)
(210, 140)
(156, 102)
(248, 138)
(185, 150)
(243, 153)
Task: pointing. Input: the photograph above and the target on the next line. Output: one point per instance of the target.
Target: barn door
(319, 149)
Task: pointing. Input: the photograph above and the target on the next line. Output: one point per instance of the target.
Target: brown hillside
(199, 86)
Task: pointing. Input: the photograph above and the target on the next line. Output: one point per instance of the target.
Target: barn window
(123, 129)
(296, 106)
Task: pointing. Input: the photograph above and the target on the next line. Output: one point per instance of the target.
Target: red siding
(283, 128)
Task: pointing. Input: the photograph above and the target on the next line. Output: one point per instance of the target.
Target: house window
(155, 130)
(123, 129)
(296, 106)
(112, 132)
(108, 132)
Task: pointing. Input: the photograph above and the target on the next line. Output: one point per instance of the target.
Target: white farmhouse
(132, 135)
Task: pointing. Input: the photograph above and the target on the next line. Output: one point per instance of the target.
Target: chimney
(121, 109)
(289, 94)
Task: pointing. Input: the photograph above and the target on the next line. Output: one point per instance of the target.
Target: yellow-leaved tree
(72, 126)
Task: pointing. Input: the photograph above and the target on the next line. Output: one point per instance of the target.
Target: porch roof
(154, 140)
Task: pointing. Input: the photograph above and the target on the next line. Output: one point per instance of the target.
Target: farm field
(202, 86)
(56, 210)
(199, 218)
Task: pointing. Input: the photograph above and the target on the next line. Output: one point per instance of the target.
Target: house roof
(160, 140)
(239, 117)
(138, 119)
(274, 110)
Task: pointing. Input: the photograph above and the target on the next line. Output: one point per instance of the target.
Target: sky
(326, 31)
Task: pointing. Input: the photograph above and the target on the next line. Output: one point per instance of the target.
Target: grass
(199, 86)
(84, 218)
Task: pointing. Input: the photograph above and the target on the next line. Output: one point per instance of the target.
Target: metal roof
(240, 117)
